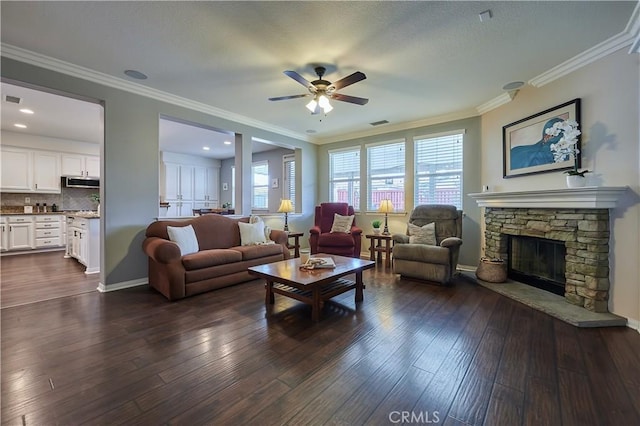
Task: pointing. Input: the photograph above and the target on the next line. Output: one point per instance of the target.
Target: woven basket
(493, 271)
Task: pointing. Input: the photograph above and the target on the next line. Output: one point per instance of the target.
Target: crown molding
(634, 29)
(53, 64)
(598, 51)
(406, 125)
(494, 103)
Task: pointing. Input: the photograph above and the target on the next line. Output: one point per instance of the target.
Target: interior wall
(609, 90)
(274, 159)
(471, 226)
(130, 182)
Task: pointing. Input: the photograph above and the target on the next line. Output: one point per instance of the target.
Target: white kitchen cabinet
(17, 170)
(21, 233)
(4, 228)
(80, 165)
(83, 242)
(179, 187)
(205, 187)
(48, 231)
(30, 170)
(46, 172)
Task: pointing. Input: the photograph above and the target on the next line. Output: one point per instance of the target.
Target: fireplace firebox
(538, 262)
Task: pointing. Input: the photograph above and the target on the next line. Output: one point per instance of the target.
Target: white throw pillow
(267, 229)
(423, 234)
(341, 223)
(252, 233)
(185, 238)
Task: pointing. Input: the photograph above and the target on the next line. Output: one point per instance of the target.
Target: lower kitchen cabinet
(21, 232)
(4, 227)
(83, 242)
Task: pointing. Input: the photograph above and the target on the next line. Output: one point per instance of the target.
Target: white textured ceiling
(422, 59)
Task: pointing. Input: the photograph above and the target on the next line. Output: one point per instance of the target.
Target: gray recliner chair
(434, 263)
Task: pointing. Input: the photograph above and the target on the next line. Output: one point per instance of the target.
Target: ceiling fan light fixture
(323, 102)
(311, 106)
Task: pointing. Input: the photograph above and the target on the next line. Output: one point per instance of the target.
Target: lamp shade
(286, 206)
(385, 206)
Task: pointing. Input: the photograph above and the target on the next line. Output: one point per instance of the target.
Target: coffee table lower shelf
(306, 296)
(316, 296)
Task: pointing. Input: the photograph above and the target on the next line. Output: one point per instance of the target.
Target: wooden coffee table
(314, 286)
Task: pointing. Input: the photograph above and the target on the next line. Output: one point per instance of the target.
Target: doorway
(68, 132)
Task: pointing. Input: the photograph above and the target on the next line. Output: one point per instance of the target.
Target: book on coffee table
(320, 263)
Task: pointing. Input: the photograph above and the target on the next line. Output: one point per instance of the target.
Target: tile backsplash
(68, 199)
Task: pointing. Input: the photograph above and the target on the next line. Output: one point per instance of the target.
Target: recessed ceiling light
(135, 74)
(26, 111)
(22, 126)
(206, 148)
(514, 85)
(227, 142)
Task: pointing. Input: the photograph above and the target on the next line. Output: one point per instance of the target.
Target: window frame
(353, 182)
(398, 205)
(254, 165)
(289, 179)
(439, 174)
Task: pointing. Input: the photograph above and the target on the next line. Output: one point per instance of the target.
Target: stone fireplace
(585, 233)
(577, 217)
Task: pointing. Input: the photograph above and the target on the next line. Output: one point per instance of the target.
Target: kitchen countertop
(74, 213)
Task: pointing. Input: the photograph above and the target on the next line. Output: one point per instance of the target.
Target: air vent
(12, 99)
(377, 123)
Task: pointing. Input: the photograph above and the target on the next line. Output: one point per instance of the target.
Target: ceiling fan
(323, 90)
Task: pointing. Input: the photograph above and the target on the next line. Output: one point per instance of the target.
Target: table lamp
(385, 207)
(286, 207)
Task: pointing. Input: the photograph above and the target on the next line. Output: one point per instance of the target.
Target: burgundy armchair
(322, 240)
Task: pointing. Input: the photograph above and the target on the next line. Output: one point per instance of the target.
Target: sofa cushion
(184, 237)
(336, 239)
(207, 258)
(256, 252)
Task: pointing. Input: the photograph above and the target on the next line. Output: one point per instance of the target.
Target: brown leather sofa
(221, 261)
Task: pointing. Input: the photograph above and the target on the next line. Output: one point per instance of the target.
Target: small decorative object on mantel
(492, 270)
(566, 148)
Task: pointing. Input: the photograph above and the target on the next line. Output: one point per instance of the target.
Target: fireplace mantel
(591, 197)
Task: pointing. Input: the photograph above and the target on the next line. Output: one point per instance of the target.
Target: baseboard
(122, 285)
(634, 324)
(466, 268)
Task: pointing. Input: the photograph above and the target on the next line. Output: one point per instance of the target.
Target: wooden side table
(376, 246)
(296, 243)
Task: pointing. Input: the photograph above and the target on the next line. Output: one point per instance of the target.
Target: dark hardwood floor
(426, 354)
(28, 278)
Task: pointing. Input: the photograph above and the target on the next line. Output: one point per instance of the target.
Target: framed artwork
(526, 146)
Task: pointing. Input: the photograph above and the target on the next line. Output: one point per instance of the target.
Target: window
(289, 174)
(233, 186)
(344, 177)
(260, 185)
(438, 166)
(385, 168)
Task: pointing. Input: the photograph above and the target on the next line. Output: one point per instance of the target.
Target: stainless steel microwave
(80, 182)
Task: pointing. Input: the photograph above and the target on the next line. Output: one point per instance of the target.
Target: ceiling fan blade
(300, 79)
(351, 99)
(282, 98)
(348, 80)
